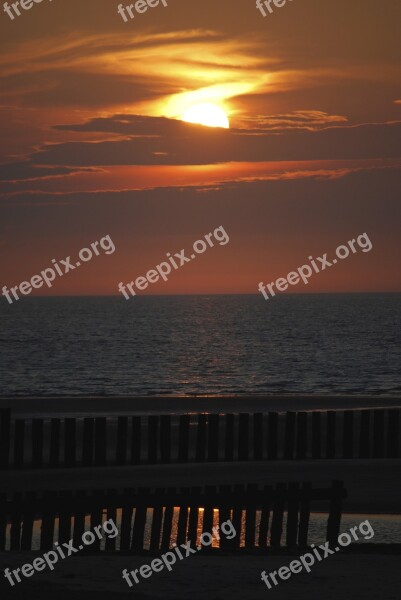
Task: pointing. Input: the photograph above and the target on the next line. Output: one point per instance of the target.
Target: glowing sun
(207, 114)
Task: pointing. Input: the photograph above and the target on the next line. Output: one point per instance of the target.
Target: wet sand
(175, 405)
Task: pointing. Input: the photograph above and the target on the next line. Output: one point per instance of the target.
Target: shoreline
(112, 405)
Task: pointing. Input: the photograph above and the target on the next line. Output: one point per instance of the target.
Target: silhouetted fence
(147, 519)
(134, 440)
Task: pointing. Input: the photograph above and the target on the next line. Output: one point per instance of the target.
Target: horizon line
(211, 294)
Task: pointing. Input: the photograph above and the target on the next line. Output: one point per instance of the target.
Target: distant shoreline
(84, 405)
(213, 294)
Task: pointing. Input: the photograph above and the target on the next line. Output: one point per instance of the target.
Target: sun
(207, 114)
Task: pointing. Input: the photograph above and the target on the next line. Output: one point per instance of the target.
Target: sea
(201, 345)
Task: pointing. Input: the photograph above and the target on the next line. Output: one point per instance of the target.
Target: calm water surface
(187, 345)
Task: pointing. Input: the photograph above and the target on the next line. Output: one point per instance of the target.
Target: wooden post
(5, 427)
(69, 442)
(167, 527)
(304, 514)
(182, 522)
(153, 441)
(302, 435)
(96, 517)
(48, 519)
(239, 497)
(193, 515)
(316, 435)
(210, 492)
(265, 516)
(243, 436)
(37, 443)
(126, 521)
(225, 506)
(16, 517)
(64, 524)
(19, 443)
(289, 442)
(79, 519)
(378, 433)
(138, 530)
(393, 439)
(156, 523)
(54, 458)
(258, 436)
(100, 441)
(213, 438)
(136, 444)
(348, 434)
(165, 438)
(3, 521)
(331, 434)
(88, 442)
(28, 519)
(183, 441)
(278, 514)
(229, 441)
(250, 515)
(338, 493)
(168, 519)
(201, 438)
(292, 515)
(122, 437)
(272, 435)
(364, 434)
(110, 545)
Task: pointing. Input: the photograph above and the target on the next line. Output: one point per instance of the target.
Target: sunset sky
(93, 143)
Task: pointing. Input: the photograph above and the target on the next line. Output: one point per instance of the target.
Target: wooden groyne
(161, 439)
(257, 514)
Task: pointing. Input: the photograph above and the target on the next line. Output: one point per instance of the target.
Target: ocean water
(190, 345)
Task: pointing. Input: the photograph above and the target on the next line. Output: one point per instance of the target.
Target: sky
(93, 142)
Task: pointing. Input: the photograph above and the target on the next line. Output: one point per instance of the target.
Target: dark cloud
(128, 125)
(159, 141)
(29, 170)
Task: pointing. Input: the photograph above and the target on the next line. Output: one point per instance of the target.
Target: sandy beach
(373, 486)
(371, 576)
(369, 571)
